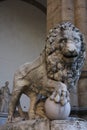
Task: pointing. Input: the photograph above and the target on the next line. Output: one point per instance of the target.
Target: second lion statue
(61, 61)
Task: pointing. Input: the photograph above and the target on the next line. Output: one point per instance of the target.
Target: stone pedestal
(46, 125)
(68, 125)
(27, 125)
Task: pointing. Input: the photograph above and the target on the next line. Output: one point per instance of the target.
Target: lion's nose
(71, 48)
(71, 51)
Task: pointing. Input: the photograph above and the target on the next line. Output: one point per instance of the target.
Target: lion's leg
(33, 99)
(40, 110)
(19, 85)
(20, 111)
(12, 105)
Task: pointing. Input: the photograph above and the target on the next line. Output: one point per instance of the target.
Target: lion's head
(65, 53)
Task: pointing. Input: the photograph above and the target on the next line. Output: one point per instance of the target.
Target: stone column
(81, 23)
(53, 13)
(67, 10)
(81, 20)
(58, 11)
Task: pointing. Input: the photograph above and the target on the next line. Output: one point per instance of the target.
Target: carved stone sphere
(55, 111)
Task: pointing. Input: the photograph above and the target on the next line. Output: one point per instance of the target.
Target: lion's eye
(63, 40)
(76, 39)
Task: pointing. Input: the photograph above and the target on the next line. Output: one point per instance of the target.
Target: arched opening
(22, 37)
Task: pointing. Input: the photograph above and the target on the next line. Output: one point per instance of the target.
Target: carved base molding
(73, 124)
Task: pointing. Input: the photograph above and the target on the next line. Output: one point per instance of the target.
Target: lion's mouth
(70, 56)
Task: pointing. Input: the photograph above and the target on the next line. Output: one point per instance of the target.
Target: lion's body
(32, 75)
(61, 60)
(31, 79)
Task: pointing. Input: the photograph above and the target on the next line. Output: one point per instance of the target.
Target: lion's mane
(57, 68)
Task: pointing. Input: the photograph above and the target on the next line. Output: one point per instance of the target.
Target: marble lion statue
(61, 61)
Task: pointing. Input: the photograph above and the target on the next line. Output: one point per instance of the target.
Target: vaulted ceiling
(41, 4)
